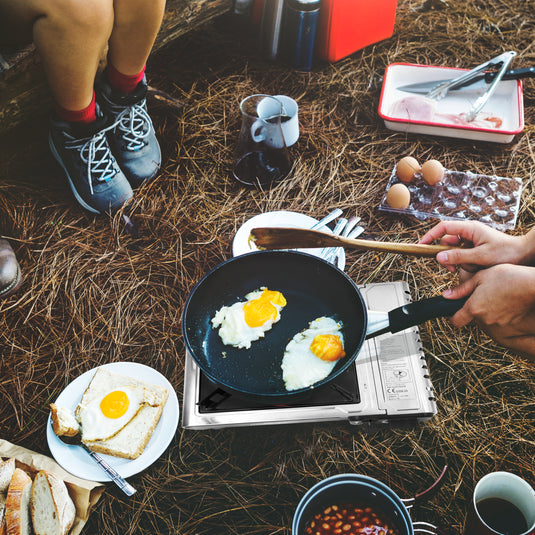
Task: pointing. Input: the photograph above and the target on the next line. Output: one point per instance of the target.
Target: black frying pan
(312, 288)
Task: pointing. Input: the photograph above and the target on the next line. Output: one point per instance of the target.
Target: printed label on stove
(396, 371)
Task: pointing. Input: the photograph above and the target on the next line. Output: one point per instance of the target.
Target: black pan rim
(290, 393)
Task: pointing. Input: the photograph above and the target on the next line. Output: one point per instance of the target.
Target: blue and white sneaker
(132, 139)
(84, 152)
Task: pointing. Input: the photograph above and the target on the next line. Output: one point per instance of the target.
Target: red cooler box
(345, 26)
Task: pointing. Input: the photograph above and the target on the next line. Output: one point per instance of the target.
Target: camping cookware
(481, 81)
(361, 492)
(312, 288)
(293, 238)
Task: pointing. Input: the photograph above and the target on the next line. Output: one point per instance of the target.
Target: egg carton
(462, 195)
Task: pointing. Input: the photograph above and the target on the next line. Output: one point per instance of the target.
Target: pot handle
(433, 489)
(431, 529)
(420, 311)
(429, 492)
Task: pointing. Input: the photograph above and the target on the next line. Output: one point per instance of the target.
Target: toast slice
(18, 521)
(52, 509)
(131, 440)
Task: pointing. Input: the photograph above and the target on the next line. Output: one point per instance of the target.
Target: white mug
(289, 122)
(497, 490)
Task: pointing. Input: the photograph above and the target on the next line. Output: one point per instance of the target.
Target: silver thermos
(270, 28)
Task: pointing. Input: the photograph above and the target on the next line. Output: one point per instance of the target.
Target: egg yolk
(114, 404)
(258, 311)
(327, 347)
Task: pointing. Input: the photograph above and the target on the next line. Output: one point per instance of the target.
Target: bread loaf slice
(2, 514)
(52, 508)
(19, 493)
(6, 473)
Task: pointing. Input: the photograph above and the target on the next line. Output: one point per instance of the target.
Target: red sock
(87, 115)
(123, 83)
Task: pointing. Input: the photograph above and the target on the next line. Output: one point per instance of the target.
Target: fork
(115, 477)
(327, 219)
(327, 252)
(334, 252)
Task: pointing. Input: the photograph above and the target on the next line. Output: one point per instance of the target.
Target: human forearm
(501, 300)
(523, 345)
(527, 248)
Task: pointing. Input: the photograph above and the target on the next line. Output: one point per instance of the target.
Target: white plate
(241, 244)
(506, 102)
(78, 462)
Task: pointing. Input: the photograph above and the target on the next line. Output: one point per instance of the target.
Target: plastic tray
(461, 195)
(506, 104)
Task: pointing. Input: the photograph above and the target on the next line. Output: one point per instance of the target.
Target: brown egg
(398, 196)
(407, 169)
(432, 172)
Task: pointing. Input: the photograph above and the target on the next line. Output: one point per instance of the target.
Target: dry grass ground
(95, 294)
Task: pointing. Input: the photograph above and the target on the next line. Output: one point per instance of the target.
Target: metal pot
(365, 491)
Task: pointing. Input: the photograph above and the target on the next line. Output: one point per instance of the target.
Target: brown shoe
(10, 274)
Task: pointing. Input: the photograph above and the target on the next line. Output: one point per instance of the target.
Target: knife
(479, 82)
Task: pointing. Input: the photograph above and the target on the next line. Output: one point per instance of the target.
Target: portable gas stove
(388, 384)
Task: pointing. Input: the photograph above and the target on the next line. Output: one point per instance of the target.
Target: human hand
(502, 303)
(484, 246)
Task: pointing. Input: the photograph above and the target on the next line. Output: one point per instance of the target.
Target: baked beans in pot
(348, 519)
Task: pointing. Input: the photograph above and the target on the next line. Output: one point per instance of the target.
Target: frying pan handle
(420, 311)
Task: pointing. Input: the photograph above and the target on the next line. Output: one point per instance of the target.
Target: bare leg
(135, 28)
(70, 36)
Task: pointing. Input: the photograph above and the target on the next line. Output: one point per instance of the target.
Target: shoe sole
(13, 287)
(73, 188)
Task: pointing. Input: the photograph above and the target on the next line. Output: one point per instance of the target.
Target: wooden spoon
(294, 238)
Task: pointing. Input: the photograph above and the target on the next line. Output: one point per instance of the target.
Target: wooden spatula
(297, 238)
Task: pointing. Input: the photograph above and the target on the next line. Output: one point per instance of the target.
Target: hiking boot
(132, 140)
(10, 274)
(83, 151)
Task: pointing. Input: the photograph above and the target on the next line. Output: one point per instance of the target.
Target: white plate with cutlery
(281, 218)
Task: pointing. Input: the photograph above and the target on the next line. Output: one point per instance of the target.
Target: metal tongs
(442, 89)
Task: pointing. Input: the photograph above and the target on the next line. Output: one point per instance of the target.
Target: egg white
(234, 330)
(300, 367)
(93, 423)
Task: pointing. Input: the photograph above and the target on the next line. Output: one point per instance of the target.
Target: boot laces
(134, 125)
(96, 154)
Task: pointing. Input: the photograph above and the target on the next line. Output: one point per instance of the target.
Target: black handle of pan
(420, 311)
